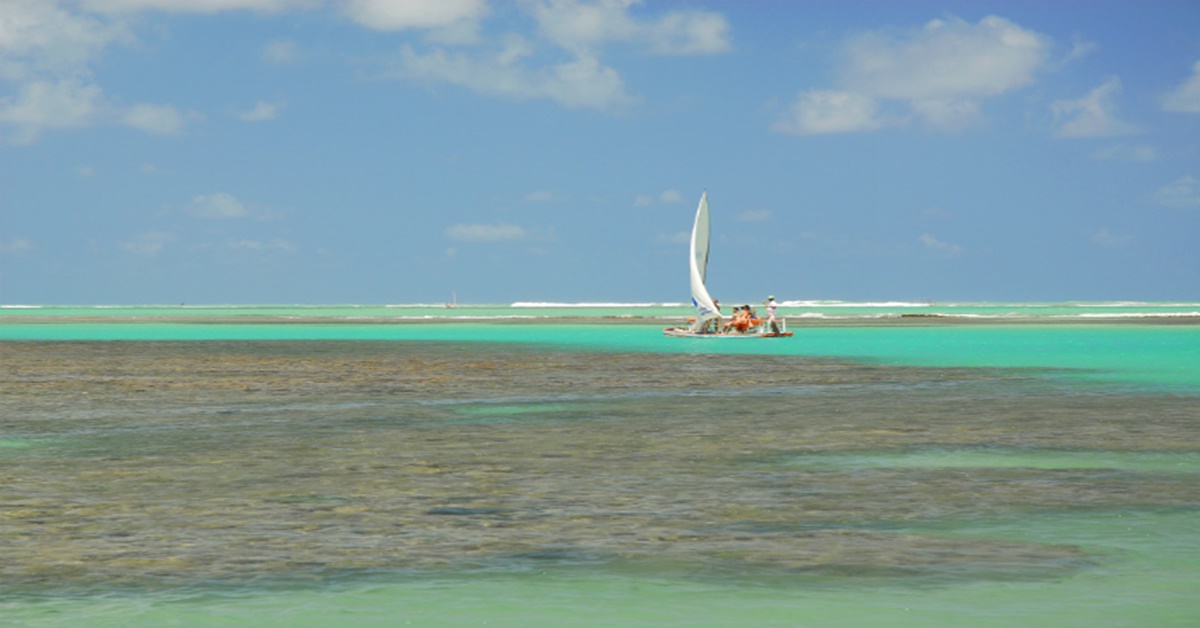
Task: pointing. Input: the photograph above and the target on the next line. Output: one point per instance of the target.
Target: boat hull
(687, 333)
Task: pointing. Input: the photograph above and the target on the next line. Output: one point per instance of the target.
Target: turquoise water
(1147, 580)
(1143, 561)
(1150, 355)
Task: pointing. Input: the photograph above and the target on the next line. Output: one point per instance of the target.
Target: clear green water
(1148, 579)
(1145, 583)
(1143, 556)
(1151, 355)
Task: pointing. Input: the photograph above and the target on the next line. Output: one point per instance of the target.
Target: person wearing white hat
(771, 311)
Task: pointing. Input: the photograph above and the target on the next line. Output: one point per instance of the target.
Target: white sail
(707, 322)
(706, 310)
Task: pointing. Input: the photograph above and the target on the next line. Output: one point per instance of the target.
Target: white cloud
(1182, 193)
(193, 6)
(484, 233)
(47, 105)
(281, 51)
(16, 246)
(689, 33)
(391, 15)
(584, 27)
(1186, 97)
(821, 111)
(41, 106)
(948, 114)
(584, 82)
(218, 205)
(666, 197)
(946, 59)
(1080, 49)
(1093, 115)
(1137, 153)
(671, 196)
(444, 21)
(262, 111)
(275, 245)
(937, 245)
(46, 52)
(224, 206)
(941, 73)
(517, 67)
(1105, 238)
(581, 83)
(148, 244)
(156, 119)
(40, 40)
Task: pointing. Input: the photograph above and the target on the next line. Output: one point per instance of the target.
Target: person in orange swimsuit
(741, 319)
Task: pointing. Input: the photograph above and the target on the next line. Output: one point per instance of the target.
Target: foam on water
(810, 310)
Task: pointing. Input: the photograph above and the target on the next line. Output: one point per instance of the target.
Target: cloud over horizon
(46, 57)
(48, 51)
(225, 206)
(562, 60)
(934, 244)
(939, 74)
(1094, 115)
(1185, 98)
(1182, 193)
(261, 112)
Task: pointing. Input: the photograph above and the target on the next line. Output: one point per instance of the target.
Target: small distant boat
(453, 302)
(707, 321)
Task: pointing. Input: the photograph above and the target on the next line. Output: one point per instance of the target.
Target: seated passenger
(740, 320)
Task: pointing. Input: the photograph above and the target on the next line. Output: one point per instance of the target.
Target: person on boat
(713, 325)
(729, 324)
(748, 319)
(741, 319)
(772, 314)
(754, 320)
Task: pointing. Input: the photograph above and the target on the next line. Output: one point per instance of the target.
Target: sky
(413, 151)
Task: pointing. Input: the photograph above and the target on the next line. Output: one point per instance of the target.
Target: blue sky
(372, 151)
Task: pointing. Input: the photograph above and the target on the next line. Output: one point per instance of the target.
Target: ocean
(900, 464)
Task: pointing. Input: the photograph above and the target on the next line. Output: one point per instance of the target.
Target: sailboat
(707, 321)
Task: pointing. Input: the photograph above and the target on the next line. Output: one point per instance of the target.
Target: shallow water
(597, 474)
